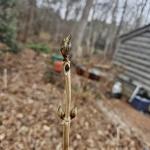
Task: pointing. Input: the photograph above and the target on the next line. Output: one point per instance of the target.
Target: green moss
(38, 47)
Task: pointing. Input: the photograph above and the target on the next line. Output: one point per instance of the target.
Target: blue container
(141, 104)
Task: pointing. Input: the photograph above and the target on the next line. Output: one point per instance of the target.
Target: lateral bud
(73, 113)
(61, 113)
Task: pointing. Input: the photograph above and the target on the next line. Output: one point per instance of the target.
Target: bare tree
(78, 36)
(29, 18)
(111, 31)
(68, 8)
(122, 18)
(90, 34)
(147, 16)
(114, 40)
(139, 18)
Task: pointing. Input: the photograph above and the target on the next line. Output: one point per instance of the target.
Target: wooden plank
(130, 47)
(139, 76)
(134, 33)
(134, 54)
(146, 35)
(133, 59)
(144, 83)
(135, 72)
(138, 44)
(134, 80)
(134, 65)
(137, 79)
(140, 39)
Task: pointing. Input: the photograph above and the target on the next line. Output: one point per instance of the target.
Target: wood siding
(133, 55)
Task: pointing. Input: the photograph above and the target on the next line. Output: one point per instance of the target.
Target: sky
(131, 8)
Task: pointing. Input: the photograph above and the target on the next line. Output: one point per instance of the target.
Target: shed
(133, 54)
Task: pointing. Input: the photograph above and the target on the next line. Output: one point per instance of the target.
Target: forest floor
(28, 112)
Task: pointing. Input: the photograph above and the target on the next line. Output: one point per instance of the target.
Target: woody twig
(66, 114)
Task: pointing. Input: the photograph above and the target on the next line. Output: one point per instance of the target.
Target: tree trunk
(139, 19)
(68, 7)
(79, 33)
(111, 31)
(29, 19)
(92, 36)
(122, 18)
(147, 16)
(118, 29)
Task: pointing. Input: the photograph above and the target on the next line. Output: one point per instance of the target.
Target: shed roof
(135, 32)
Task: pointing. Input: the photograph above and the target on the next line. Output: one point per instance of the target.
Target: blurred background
(94, 25)
(104, 69)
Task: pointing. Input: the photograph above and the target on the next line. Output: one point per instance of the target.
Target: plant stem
(66, 128)
(5, 79)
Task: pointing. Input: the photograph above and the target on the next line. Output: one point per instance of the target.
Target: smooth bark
(79, 33)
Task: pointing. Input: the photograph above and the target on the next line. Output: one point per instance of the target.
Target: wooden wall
(133, 54)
